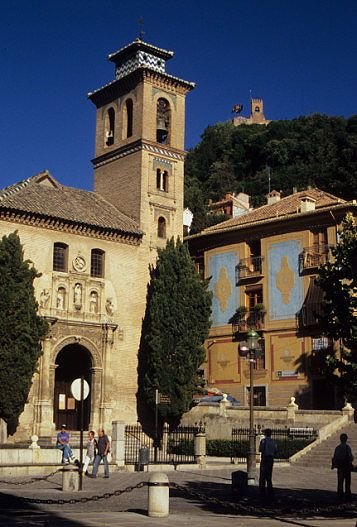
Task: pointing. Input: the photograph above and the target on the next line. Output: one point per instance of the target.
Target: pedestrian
(62, 443)
(91, 451)
(268, 449)
(342, 460)
(102, 452)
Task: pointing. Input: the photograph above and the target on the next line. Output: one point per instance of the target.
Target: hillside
(317, 150)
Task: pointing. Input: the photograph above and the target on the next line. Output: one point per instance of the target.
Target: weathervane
(141, 26)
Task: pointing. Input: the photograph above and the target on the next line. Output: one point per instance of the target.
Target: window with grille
(60, 257)
(97, 263)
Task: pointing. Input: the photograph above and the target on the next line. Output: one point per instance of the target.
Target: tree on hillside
(316, 150)
(338, 279)
(176, 325)
(21, 329)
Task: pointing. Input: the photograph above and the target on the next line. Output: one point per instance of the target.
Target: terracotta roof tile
(284, 207)
(43, 195)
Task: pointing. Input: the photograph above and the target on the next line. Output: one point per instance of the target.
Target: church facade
(93, 249)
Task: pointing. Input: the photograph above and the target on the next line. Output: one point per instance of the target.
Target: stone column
(348, 410)
(3, 431)
(96, 388)
(291, 409)
(43, 404)
(118, 443)
(200, 448)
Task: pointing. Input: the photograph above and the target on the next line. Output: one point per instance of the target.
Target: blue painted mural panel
(285, 284)
(221, 267)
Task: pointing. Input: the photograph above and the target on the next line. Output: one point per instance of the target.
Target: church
(93, 249)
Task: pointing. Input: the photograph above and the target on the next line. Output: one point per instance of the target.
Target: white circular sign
(76, 389)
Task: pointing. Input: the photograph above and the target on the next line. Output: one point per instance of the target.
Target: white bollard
(158, 495)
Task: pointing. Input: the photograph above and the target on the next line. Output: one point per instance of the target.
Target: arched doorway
(72, 362)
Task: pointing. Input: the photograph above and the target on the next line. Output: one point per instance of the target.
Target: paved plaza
(303, 498)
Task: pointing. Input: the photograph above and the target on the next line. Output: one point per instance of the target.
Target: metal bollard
(70, 479)
(158, 495)
(144, 455)
(239, 482)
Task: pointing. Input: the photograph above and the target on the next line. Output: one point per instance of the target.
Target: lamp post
(249, 349)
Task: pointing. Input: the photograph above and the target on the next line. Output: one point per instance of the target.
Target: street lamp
(249, 349)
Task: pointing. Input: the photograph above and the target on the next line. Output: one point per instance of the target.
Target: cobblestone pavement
(303, 498)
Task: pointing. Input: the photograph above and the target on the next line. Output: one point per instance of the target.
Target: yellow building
(93, 249)
(262, 267)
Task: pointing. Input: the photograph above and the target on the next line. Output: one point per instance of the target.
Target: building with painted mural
(93, 249)
(262, 267)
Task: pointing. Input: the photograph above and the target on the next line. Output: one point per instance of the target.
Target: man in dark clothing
(268, 450)
(103, 447)
(342, 460)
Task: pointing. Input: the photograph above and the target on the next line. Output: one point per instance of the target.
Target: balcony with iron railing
(244, 321)
(314, 257)
(250, 268)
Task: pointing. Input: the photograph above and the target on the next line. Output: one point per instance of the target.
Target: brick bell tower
(139, 147)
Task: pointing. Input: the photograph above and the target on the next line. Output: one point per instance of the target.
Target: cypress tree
(21, 329)
(176, 325)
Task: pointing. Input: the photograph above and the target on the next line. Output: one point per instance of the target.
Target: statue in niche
(44, 298)
(61, 296)
(78, 296)
(109, 307)
(93, 302)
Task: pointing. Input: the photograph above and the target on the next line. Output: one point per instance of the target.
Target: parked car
(211, 399)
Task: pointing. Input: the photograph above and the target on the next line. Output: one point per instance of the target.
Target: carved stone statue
(109, 307)
(44, 298)
(93, 302)
(61, 295)
(78, 296)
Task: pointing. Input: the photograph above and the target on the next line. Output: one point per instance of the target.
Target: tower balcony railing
(315, 256)
(250, 267)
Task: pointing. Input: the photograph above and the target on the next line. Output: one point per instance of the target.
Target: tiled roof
(290, 205)
(42, 195)
(139, 44)
(190, 85)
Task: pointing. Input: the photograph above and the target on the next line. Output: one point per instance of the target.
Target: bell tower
(139, 147)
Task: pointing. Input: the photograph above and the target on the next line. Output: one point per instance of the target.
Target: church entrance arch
(72, 362)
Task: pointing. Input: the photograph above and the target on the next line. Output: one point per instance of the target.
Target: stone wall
(220, 418)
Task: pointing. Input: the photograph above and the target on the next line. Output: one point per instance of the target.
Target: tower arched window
(163, 117)
(97, 263)
(60, 257)
(162, 178)
(128, 119)
(110, 127)
(161, 227)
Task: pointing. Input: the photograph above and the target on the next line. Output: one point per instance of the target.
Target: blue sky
(299, 56)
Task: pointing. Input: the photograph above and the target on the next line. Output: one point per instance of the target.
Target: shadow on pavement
(219, 498)
(18, 512)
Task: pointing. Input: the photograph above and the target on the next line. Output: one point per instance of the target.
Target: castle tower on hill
(139, 148)
(256, 114)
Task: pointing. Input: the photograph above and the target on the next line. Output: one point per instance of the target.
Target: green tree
(21, 329)
(176, 325)
(338, 279)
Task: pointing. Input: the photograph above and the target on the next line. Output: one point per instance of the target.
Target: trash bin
(143, 457)
(239, 482)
